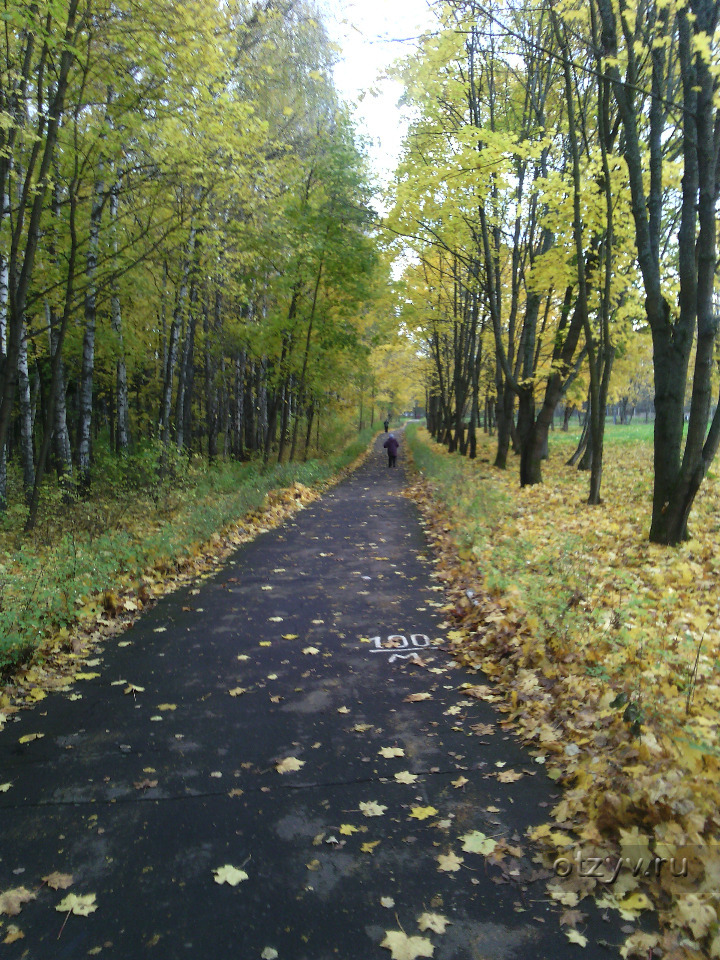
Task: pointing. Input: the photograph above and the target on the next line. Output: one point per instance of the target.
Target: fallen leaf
(58, 881)
(229, 874)
(571, 918)
(422, 813)
(13, 933)
(369, 846)
(289, 765)
(81, 905)
(460, 782)
(343, 710)
(4, 787)
(237, 691)
(29, 737)
(289, 636)
(269, 953)
(697, 913)
(574, 936)
(370, 808)
(478, 842)
(311, 650)
(11, 902)
(402, 947)
(347, 829)
(391, 752)
(509, 776)
(134, 688)
(167, 706)
(406, 777)
(449, 862)
(387, 902)
(417, 697)
(145, 784)
(433, 921)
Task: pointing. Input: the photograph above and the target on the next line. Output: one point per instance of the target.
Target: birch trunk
(88, 354)
(121, 390)
(26, 428)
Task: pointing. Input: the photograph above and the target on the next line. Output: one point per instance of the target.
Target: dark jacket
(392, 446)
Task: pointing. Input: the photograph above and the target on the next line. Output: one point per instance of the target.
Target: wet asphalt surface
(303, 648)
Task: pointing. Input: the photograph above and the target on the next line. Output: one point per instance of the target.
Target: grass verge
(108, 555)
(604, 651)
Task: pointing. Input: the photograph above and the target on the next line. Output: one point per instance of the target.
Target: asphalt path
(259, 720)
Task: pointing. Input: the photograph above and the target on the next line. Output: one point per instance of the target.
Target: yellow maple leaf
(58, 881)
(422, 813)
(369, 846)
(406, 777)
(289, 765)
(347, 829)
(574, 936)
(389, 752)
(13, 933)
(369, 808)
(403, 947)
(229, 874)
(697, 913)
(11, 902)
(449, 862)
(82, 905)
(509, 776)
(433, 921)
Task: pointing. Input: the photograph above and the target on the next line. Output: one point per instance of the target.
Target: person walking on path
(392, 448)
(386, 425)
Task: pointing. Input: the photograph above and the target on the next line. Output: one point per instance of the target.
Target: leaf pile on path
(606, 649)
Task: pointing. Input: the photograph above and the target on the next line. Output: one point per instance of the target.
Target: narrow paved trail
(260, 719)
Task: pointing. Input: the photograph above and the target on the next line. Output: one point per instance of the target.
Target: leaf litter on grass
(602, 649)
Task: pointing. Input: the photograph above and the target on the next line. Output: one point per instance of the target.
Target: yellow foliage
(602, 649)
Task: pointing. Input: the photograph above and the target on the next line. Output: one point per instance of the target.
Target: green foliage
(134, 523)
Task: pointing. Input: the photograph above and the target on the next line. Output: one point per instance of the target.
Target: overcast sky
(373, 34)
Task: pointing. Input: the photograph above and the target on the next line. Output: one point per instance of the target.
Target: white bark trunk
(26, 427)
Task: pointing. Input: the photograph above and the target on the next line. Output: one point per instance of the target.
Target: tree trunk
(26, 431)
(122, 412)
(88, 354)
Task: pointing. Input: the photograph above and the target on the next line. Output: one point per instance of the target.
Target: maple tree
(548, 217)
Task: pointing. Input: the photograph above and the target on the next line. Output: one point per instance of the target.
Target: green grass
(132, 523)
